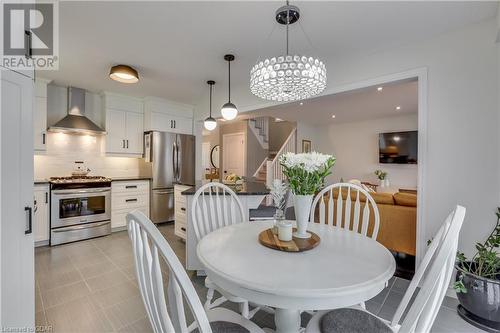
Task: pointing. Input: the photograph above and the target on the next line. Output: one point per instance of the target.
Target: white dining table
(345, 269)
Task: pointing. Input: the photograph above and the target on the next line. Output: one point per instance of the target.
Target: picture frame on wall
(306, 146)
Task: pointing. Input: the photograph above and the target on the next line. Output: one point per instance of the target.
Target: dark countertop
(247, 188)
(41, 181)
(117, 179)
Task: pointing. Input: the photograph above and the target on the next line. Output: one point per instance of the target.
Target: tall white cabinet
(124, 124)
(40, 115)
(41, 216)
(17, 280)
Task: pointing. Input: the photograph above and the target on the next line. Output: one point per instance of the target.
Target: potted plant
(382, 177)
(477, 282)
(306, 174)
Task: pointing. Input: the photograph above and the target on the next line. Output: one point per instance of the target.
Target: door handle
(30, 220)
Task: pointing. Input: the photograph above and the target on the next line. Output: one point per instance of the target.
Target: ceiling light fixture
(380, 88)
(333, 116)
(124, 74)
(210, 123)
(229, 110)
(288, 77)
(398, 108)
(301, 103)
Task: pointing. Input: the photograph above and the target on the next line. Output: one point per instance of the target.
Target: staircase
(271, 169)
(260, 127)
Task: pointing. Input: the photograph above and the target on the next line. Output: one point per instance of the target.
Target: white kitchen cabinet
(17, 290)
(126, 196)
(164, 115)
(180, 211)
(41, 216)
(124, 124)
(40, 115)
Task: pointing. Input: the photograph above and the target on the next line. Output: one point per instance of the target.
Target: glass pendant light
(210, 123)
(229, 110)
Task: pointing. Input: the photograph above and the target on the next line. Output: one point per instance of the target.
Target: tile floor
(90, 286)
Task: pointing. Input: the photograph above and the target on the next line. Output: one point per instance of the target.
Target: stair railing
(274, 168)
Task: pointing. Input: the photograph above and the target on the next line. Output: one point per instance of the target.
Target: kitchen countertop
(41, 181)
(247, 188)
(130, 178)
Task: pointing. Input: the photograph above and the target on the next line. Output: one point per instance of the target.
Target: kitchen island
(251, 194)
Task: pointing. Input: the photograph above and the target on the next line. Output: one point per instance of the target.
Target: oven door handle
(71, 192)
(86, 226)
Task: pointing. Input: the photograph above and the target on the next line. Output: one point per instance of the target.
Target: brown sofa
(398, 219)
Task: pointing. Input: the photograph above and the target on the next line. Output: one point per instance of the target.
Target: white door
(135, 133)
(17, 288)
(116, 127)
(234, 154)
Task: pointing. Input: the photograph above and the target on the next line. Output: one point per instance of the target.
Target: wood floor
(90, 286)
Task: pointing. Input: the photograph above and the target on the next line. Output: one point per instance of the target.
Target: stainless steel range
(80, 208)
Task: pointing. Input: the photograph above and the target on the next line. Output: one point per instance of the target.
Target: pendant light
(287, 78)
(210, 123)
(229, 110)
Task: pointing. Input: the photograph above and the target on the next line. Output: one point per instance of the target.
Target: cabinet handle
(175, 123)
(30, 220)
(27, 43)
(127, 143)
(130, 200)
(43, 138)
(35, 207)
(46, 197)
(131, 186)
(183, 229)
(123, 143)
(183, 209)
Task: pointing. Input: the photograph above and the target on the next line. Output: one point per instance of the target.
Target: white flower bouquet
(306, 172)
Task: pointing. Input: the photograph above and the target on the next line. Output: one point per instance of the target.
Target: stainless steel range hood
(76, 122)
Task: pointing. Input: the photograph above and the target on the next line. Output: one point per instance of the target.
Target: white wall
(355, 145)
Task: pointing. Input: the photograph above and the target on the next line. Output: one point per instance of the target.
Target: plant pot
(302, 205)
(481, 302)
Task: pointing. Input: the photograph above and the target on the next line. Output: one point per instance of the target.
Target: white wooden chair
(215, 206)
(166, 314)
(434, 274)
(337, 212)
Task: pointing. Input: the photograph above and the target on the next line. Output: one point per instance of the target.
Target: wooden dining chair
(433, 275)
(215, 206)
(350, 210)
(166, 314)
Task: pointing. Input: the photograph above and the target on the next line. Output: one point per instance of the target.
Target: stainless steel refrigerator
(172, 158)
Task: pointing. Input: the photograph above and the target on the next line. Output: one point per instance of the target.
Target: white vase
(302, 210)
(385, 183)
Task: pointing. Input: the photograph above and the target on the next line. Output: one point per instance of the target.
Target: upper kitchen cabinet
(163, 115)
(124, 124)
(40, 115)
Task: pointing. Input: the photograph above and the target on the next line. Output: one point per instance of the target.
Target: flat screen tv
(398, 147)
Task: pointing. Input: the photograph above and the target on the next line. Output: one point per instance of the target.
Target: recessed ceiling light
(278, 120)
(380, 88)
(398, 107)
(124, 74)
(333, 116)
(301, 103)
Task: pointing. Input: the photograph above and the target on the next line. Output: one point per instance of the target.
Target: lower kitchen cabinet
(41, 217)
(127, 196)
(180, 211)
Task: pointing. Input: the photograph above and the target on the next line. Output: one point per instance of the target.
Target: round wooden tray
(270, 240)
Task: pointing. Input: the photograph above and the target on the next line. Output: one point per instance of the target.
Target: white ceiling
(355, 105)
(177, 46)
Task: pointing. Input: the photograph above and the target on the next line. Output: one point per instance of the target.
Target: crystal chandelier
(288, 77)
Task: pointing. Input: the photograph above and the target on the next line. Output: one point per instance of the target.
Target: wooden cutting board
(270, 240)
